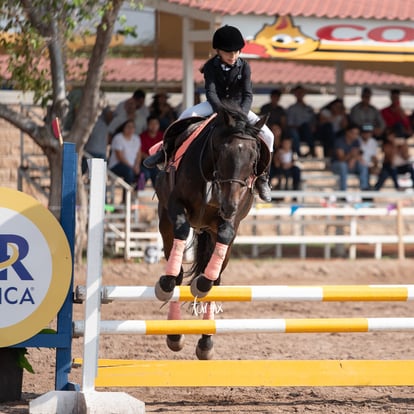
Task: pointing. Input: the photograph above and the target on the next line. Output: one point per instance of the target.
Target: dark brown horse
(211, 191)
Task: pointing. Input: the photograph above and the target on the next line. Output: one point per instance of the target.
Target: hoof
(164, 288)
(200, 286)
(204, 349)
(175, 342)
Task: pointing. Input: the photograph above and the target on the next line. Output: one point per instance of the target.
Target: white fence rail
(268, 226)
(345, 218)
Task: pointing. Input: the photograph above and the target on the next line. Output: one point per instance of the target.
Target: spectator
(369, 148)
(125, 158)
(395, 117)
(97, 144)
(347, 158)
(301, 122)
(285, 160)
(149, 137)
(132, 108)
(277, 114)
(161, 108)
(332, 123)
(275, 170)
(396, 160)
(389, 151)
(364, 113)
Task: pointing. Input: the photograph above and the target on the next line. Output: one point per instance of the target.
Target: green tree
(38, 56)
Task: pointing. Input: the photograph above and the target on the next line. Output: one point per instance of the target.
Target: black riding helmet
(228, 38)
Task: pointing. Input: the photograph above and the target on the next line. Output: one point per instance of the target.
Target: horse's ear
(262, 120)
(229, 120)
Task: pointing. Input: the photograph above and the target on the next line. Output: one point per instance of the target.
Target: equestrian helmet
(228, 38)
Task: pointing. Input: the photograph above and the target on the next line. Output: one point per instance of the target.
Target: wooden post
(400, 231)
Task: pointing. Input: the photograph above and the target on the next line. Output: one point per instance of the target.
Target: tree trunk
(11, 375)
(81, 221)
(55, 165)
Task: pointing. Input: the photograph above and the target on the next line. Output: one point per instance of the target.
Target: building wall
(169, 44)
(9, 154)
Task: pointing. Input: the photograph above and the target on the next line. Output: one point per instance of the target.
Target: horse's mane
(241, 123)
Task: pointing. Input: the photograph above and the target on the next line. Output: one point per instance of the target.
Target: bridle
(216, 181)
(216, 177)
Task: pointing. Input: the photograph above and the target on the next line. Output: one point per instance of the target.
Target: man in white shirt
(364, 113)
(132, 108)
(301, 122)
(369, 148)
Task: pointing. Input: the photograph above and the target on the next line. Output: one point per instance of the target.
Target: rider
(228, 78)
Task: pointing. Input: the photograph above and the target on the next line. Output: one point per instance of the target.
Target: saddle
(180, 134)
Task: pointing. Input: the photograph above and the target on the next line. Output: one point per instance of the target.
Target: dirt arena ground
(349, 400)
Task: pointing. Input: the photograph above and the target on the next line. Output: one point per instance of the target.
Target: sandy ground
(255, 346)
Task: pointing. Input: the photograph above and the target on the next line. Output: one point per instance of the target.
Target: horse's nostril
(227, 212)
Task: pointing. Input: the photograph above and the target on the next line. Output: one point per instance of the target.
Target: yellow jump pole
(254, 373)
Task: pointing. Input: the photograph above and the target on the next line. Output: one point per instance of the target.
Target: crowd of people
(365, 140)
(123, 136)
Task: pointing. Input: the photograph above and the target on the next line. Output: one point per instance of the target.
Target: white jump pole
(97, 168)
(98, 402)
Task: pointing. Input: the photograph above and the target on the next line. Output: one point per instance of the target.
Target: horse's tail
(203, 249)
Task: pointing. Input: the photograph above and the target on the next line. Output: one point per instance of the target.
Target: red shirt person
(149, 137)
(395, 117)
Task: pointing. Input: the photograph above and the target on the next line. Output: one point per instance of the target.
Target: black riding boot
(153, 160)
(263, 187)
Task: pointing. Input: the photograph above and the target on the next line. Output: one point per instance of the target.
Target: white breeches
(205, 109)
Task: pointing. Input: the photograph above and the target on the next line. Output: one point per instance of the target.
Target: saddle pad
(175, 162)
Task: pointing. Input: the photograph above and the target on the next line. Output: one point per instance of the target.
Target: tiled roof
(265, 74)
(367, 9)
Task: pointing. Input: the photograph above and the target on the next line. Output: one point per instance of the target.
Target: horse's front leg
(202, 284)
(164, 288)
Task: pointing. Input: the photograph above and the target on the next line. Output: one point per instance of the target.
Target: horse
(210, 191)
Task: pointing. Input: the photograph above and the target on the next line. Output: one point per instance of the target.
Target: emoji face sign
(283, 39)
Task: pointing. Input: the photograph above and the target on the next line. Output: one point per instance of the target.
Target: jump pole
(240, 326)
(348, 293)
(255, 373)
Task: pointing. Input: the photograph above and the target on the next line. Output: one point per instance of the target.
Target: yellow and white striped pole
(328, 293)
(235, 326)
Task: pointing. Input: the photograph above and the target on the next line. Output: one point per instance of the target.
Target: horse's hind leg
(175, 342)
(204, 349)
